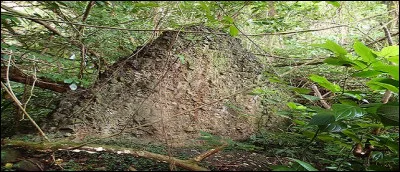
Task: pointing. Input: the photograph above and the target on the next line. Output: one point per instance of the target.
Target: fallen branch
(209, 153)
(17, 75)
(388, 93)
(318, 94)
(65, 146)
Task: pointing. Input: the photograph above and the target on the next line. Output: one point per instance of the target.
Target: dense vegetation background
(338, 60)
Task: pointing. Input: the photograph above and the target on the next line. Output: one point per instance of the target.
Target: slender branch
(31, 91)
(162, 30)
(23, 110)
(388, 93)
(86, 14)
(316, 91)
(381, 39)
(209, 153)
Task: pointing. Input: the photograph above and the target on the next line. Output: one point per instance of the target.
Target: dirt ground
(226, 160)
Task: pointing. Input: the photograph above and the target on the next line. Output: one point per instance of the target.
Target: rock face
(171, 75)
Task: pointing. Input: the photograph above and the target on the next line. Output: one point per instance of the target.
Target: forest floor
(225, 160)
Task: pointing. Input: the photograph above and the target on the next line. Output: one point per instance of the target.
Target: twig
(86, 14)
(388, 93)
(38, 20)
(209, 153)
(32, 87)
(318, 94)
(23, 110)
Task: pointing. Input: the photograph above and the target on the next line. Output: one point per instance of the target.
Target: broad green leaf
(311, 98)
(301, 90)
(390, 69)
(275, 80)
(326, 137)
(343, 111)
(381, 86)
(367, 73)
(334, 127)
(388, 51)
(389, 114)
(308, 134)
(307, 166)
(348, 102)
(291, 105)
(394, 59)
(332, 46)
(334, 3)
(337, 61)
(296, 106)
(363, 51)
(322, 119)
(322, 81)
(359, 65)
(299, 122)
(233, 31)
(228, 19)
(392, 145)
(352, 135)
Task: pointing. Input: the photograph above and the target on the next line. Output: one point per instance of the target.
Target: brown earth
(198, 69)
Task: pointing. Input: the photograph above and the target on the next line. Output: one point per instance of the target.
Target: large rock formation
(199, 68)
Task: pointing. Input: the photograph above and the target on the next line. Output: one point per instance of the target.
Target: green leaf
(301, 90)
(337, 61)
(326, 137)
(380, 85)
(322, 119)
(291, 105)
(348, 102)
(389, 114)
(390, 69)
(334, 3)
(332, 46)
(347, 112)
(334, 127)
(325, 83)
(366, 74)
(388, 51)
(233, 31)
(294, 106)
(181, 58)
(359, 65)
(368, 125)
(307, 166)
(311, 98)
(392, 145)
(394, 59)
(228, 19)
(68, 81)
(352, 135)
(363, 51)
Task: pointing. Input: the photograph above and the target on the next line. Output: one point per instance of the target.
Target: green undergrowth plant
(358, 134)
